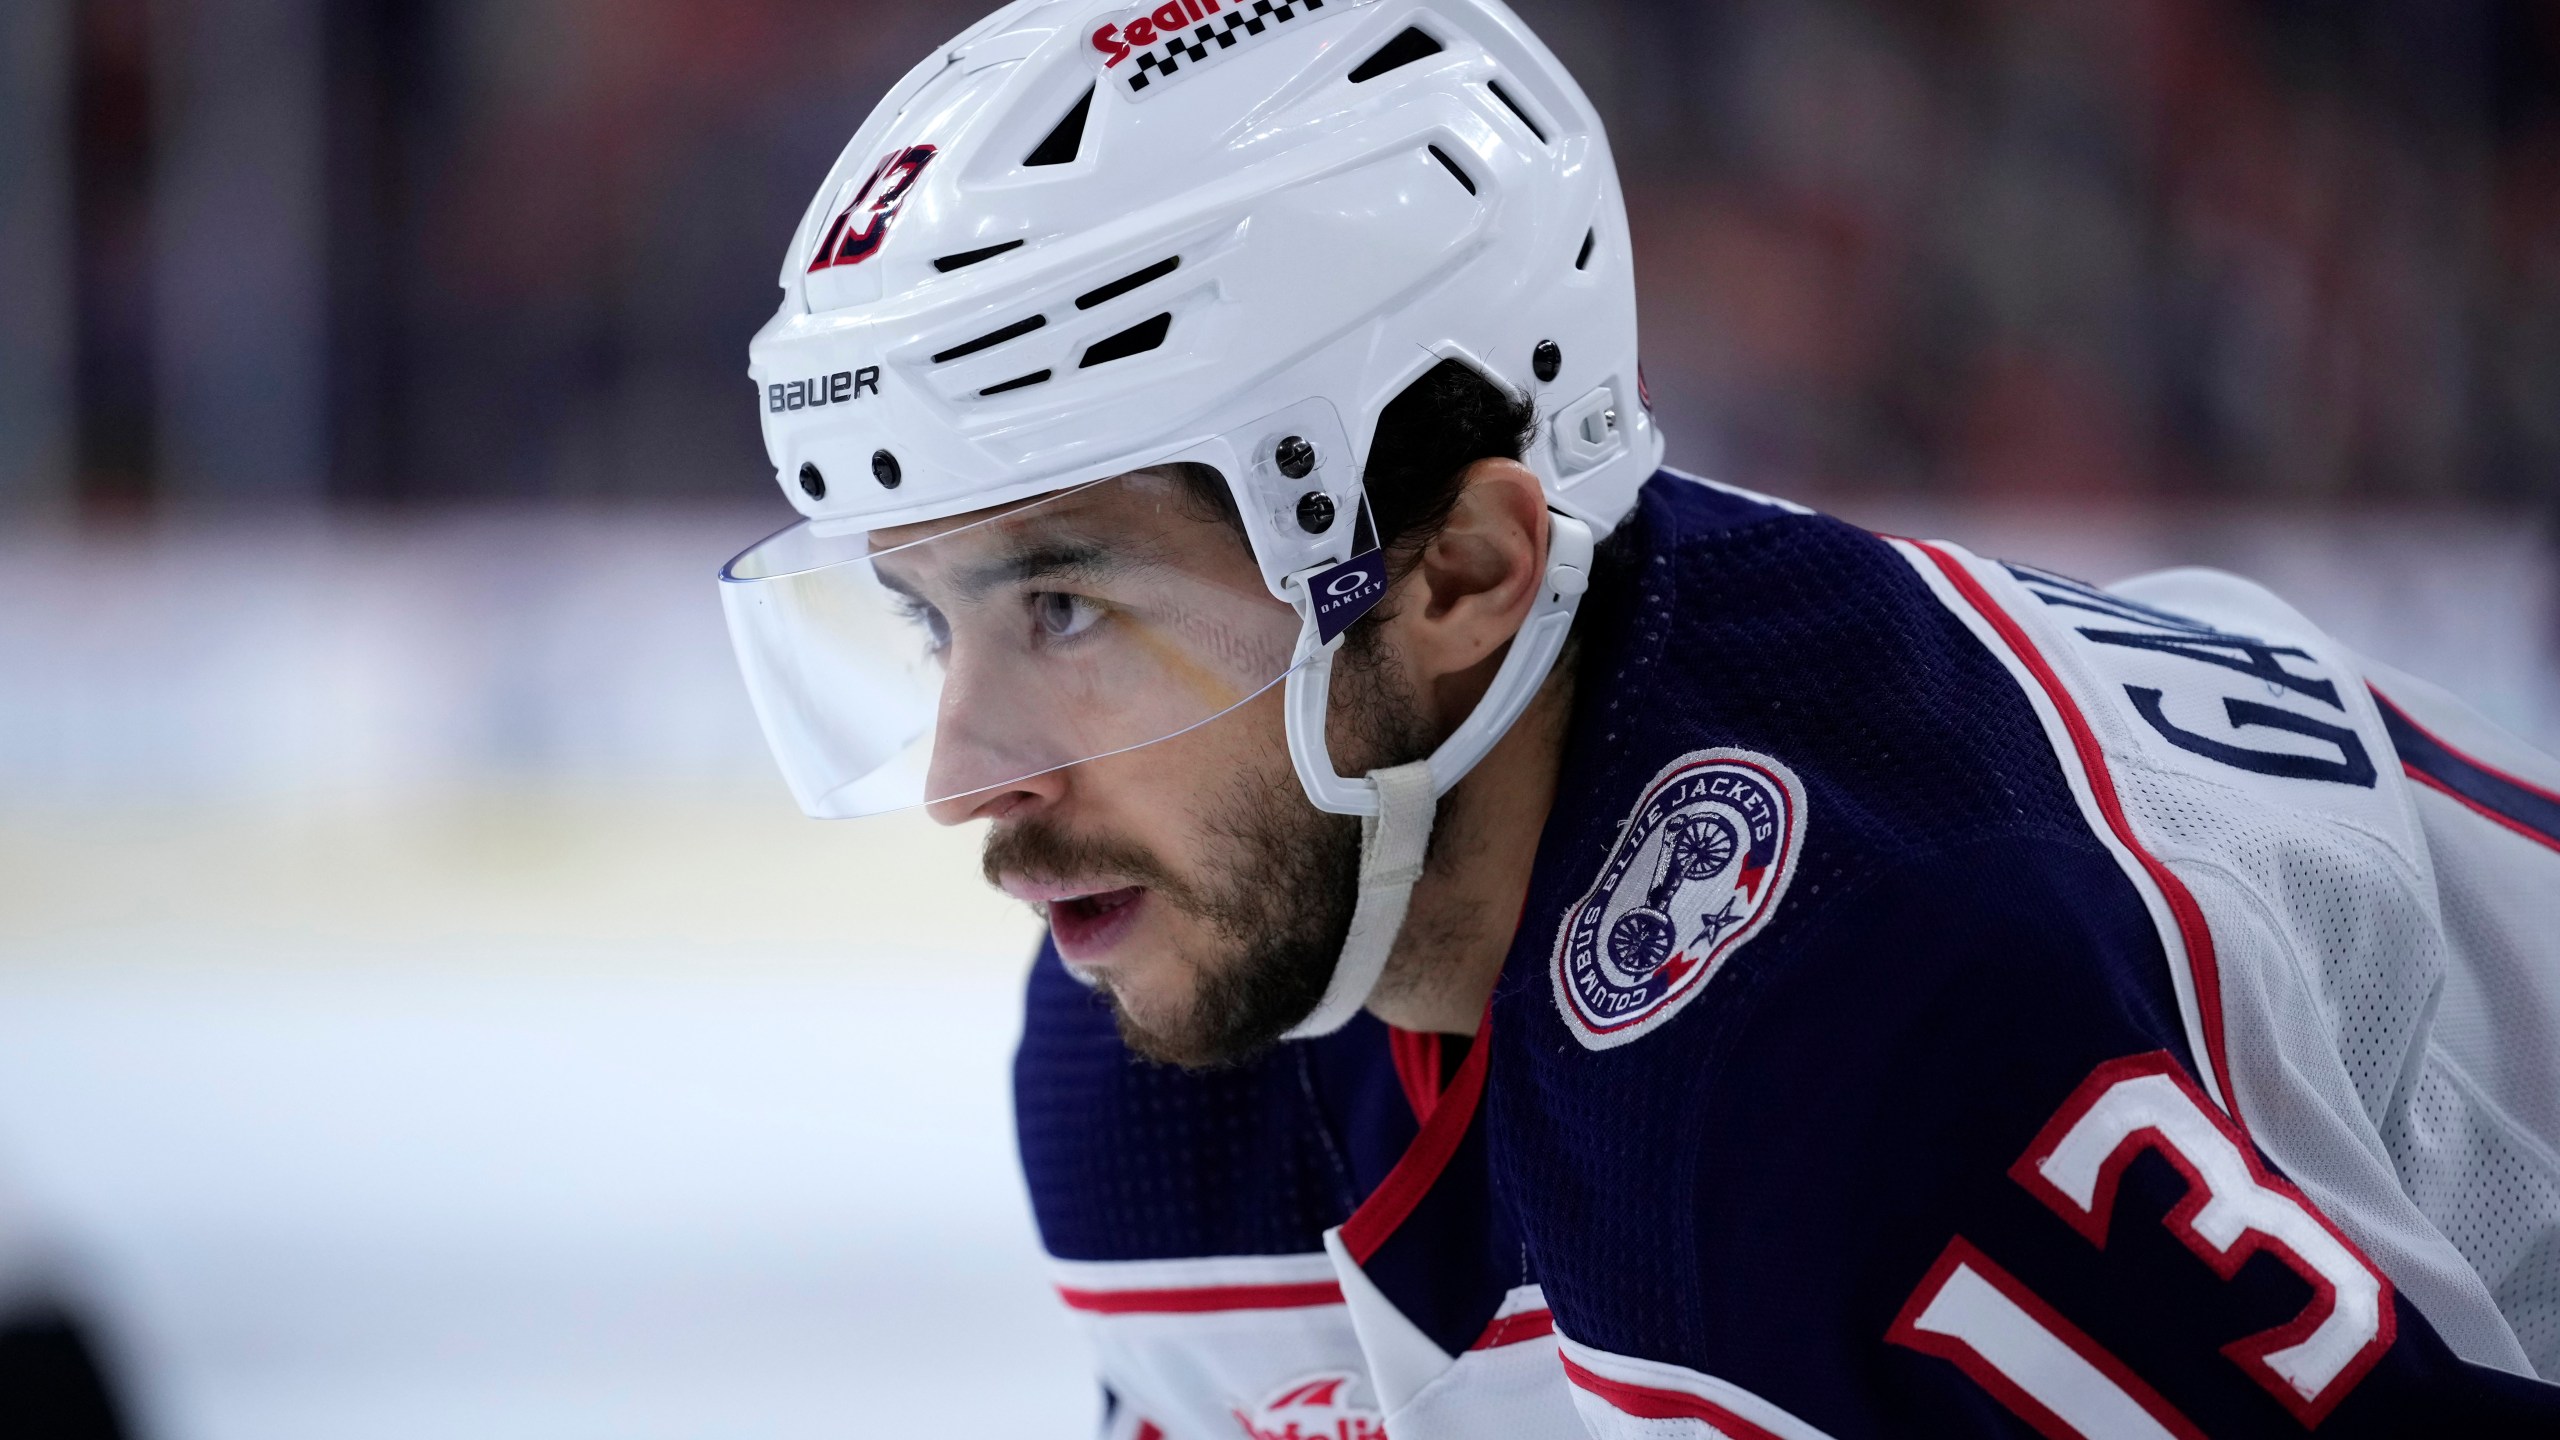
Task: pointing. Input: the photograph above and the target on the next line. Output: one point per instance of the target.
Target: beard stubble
(1286, 881)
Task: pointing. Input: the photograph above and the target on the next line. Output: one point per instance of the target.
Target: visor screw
(1295, 457)
(884, 468)
(1546, 360)
(1315, 512)
(811, 482)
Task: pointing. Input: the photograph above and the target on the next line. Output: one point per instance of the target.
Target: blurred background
(422, 1012)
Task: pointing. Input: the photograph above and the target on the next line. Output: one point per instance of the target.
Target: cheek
(1145, 799)
(1175, 796)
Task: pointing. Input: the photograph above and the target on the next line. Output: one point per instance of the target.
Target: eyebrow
(1041, 561)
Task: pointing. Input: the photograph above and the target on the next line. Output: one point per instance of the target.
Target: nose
(991, 755)
(995, 802)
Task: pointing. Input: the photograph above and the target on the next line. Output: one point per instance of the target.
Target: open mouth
(1085, 926)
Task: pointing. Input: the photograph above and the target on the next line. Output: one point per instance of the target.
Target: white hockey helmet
(1080, 241)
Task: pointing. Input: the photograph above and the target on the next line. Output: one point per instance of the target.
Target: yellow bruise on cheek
(1185, 669)
(1208, 653)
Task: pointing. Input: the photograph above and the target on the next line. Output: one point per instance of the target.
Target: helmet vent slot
(1062, 144)
(1127, 283)
(1463, 178)
(1589, 239)
(1514, 107)
(949, 263)
(992, 339)
(1408, 46)
(1138, 339)
(1016, 383)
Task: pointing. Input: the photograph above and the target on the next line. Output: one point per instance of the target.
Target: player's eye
(1063, 616)
(937, 630)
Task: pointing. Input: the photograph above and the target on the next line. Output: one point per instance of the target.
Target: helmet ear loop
(1533, 653)
(1393, 843)
(1399, 803)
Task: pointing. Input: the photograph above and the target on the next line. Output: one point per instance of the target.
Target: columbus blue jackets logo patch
(1699, 868)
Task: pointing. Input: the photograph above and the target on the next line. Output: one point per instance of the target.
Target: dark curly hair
(1446, 420)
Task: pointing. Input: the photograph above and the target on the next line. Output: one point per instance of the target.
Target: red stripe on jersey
(1394, 1200)
(2495, 795)
(1644, 1402)
(1416, 1054)
(1202, 1299)
(2201, 962)
(1512, 1329)
(2476, 808)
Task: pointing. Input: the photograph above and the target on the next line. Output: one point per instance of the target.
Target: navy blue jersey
(1901, 1037)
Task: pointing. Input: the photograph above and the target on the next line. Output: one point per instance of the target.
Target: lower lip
(1086, 929)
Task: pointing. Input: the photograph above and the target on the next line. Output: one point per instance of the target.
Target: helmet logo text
(820, 390)
(1179, 36)
(1116, 37)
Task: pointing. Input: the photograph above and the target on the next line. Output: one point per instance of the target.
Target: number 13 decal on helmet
(850, 244)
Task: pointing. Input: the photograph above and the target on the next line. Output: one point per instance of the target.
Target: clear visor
(933, 661)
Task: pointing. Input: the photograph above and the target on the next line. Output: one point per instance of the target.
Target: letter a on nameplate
(1345, 592)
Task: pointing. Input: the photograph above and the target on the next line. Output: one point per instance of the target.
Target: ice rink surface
(540, 1195)
(422, 1014)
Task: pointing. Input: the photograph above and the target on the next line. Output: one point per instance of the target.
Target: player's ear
(1472, 586)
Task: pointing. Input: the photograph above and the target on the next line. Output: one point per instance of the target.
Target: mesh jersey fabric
(1748, 1193)
(2337, 909)
(1753, 1190)
(1748, 626)
(1131, 1160)
(1187, 1212)
(2475, 1136)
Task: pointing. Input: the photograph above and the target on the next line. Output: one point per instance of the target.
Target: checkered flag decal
(1211, 38)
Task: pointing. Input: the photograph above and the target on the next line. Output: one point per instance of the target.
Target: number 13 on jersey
(1973, 1313)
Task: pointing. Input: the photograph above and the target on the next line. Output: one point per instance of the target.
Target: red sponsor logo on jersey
(1319, 1407)
(1116, 37)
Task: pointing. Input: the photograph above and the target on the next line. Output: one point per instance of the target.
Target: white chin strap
(1398, 804)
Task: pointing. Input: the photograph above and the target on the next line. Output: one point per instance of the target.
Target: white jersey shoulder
(2357, 882)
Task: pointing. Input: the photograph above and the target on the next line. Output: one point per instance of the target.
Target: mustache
(1041, 850)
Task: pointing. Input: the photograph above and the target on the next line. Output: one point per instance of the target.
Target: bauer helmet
(1081, 244)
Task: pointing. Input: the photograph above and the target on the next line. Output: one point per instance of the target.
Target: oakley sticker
(1143, 49)
(1346, 592)
(859, 227)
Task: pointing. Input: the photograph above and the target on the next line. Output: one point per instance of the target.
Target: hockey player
(1611, 953)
